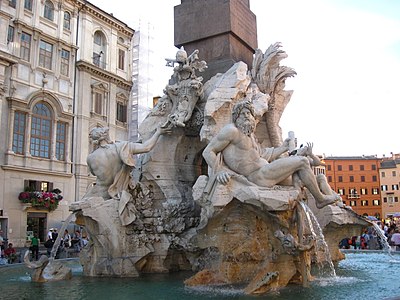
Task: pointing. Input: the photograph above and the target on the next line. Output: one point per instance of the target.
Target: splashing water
(382, 238)
(59, 237)
(316, 230)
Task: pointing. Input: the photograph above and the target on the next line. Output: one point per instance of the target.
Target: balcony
(353, 196)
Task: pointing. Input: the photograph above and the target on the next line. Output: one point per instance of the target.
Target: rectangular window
(396, 199)
(376, 202)
(364, 191)
(394, 173)
(353, 203)
(340, 179)
(361, 167)
(375, 191)
(25, 52)
(395, 187)
(364, 202)
(40, 137)
(351, 178)
(362, 178)
(339, 167)
(373, 167)
(329, 178)
(64, 70)
(60, 140)
(121, 59)
(98, 103)
(45, 54)
(384, 199)
(350, 167)
(341, 192)
(383, 174)
(13, 3)
(384, 187)
(28, 5)
(121, 112)
(374, 178)
(19, 132)
(10, 34)
(328, 167)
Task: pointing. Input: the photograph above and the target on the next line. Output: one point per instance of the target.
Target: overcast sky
(346, 54)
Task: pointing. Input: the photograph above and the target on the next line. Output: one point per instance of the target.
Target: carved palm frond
(266, 71)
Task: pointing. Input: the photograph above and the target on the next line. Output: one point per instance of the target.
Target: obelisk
(224, 32)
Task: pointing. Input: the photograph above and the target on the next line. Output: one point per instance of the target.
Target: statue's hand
(223, 177)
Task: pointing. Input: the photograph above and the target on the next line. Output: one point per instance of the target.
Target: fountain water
(322, 246)
(59, 237)
(382, 238)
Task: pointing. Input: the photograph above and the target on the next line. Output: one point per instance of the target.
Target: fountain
(232, 224)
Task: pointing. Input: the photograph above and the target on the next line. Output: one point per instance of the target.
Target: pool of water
(360, 275)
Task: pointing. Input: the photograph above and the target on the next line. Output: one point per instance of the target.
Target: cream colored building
(389, 173)
(65, 67)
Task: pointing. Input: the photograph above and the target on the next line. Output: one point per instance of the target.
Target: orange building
(356, 179)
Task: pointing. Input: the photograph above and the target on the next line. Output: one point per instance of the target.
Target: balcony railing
(353, 196)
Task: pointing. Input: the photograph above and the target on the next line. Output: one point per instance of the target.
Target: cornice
(36, 171)
(105, 75)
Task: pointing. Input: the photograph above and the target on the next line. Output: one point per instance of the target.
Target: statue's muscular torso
(242, 152)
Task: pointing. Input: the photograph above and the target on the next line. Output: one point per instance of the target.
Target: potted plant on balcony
(45, 200)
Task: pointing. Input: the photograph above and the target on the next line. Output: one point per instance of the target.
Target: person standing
(67, 239)
(35, 247)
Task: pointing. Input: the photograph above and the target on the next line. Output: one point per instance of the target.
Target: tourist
(77, 241)
(10, 253)
(395, 239)
(54, 235)
(67, 239)
(50, 234)
(35, 247)
(243, 155)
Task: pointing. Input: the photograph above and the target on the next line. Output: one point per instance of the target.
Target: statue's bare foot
(328, 200)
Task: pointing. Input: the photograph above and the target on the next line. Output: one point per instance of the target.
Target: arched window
(67, 20)
(99, 49)
(41, 131)
(49, 10)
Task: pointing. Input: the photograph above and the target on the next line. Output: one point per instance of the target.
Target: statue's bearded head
(243, 116)
(99, 134)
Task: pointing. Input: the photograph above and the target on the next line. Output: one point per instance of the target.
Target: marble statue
(270, 78)
(240, 152)
(187, 88)
(112, 163)
(45, 270)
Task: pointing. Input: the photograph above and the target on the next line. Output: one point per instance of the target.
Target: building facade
(356, 179)
(390, 181)
(65, 68)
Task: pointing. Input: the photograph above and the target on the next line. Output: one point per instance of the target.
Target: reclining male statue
(241, 153)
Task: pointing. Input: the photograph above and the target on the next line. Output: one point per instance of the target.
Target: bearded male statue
(241, 153)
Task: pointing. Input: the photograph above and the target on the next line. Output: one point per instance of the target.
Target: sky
(346, 54)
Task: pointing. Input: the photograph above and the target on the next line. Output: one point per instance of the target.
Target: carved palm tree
(270, 78)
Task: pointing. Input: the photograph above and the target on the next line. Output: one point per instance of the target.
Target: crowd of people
(75, 242)
(372, 239)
